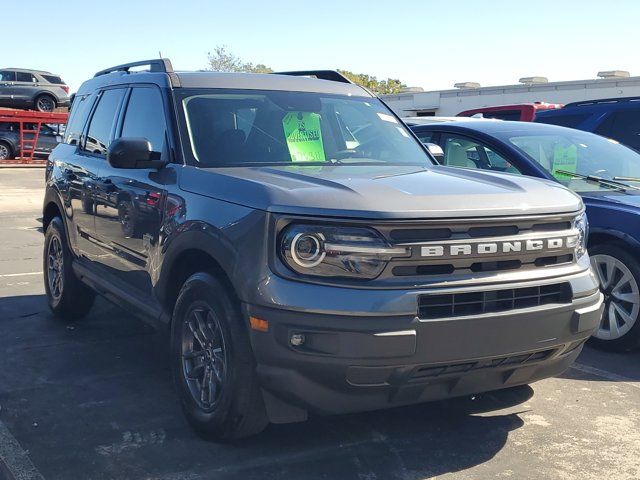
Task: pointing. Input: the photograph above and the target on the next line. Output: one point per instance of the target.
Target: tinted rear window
(512, 115)
(571, 121)
(53, 79)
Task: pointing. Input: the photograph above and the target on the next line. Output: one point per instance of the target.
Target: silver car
(34, 89)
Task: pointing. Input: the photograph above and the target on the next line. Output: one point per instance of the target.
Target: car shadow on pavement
(94, 399)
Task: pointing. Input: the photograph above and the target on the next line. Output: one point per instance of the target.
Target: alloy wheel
(45, 104)
(4, 152)
(55, 268)
(204, 358)
(621, 297)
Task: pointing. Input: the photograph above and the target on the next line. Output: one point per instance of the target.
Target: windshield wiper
(600, 180)
(627, 179)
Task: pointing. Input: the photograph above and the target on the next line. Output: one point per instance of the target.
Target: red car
(524, 112)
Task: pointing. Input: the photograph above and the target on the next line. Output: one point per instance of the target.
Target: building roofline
(516, 88)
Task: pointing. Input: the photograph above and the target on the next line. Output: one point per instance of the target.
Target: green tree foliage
(380, 87)
(223, 60)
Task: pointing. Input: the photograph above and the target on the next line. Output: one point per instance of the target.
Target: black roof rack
(331, 75)
(601, 101)
(156, 65)
(162, 65)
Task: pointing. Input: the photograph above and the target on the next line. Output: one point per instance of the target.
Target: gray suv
(34, 89)
(304, 249)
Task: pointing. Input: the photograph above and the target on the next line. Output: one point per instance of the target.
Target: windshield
(253, 127)
(580, 153)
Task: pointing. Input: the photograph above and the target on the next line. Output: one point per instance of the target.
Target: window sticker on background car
(564, 158)
(304, 136)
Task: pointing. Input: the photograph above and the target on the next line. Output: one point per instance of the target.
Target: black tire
(68, 297)
(128, 217)
(631, 338)
(6, 152)
(235, 408)
(87, 203)
(44, 103)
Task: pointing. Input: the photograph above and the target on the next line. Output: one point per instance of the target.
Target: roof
(244, 81)
(492, 128)
(437, 119)
(27, 70)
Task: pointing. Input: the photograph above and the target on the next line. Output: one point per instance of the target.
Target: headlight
(581, 224)
(326, 251)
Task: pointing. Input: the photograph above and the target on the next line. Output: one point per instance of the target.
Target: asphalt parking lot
(93, 400)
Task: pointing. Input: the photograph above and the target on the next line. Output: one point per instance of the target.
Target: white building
(414, 101)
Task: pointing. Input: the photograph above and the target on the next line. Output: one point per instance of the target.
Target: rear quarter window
(53, 79)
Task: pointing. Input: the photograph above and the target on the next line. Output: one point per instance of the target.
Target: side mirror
(436, 151)
(133, 153)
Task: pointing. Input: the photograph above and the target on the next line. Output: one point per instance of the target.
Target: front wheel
(5, 151)
(213, 364)
(619, 274)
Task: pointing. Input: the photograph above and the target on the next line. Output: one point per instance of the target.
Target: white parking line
(14, 459)
(604, 374)
(7, 275)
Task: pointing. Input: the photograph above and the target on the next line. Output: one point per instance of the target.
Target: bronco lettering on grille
(503, 247)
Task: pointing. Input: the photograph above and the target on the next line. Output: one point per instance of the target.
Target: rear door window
(102, 122)
(25, 77)
(78, 119)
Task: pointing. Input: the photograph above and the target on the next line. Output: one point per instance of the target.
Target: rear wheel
(67, 296)
(619, 275)
(213, 364)
(45, 103)
(6, 152)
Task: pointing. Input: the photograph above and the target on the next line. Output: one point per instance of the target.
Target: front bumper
(361, 362)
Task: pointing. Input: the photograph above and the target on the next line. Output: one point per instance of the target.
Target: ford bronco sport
(304, 249)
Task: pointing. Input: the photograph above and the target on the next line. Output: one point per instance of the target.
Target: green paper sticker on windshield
(564, 158)
(304, 136)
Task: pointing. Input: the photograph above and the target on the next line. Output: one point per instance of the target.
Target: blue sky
(428, 43)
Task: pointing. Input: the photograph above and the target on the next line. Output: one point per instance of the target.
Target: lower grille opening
(493, 301)
(428, 372)
(496, 266)
(555, 260)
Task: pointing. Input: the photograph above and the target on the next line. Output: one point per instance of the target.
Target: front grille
(492, 301)
(447, 250)
(429, 372)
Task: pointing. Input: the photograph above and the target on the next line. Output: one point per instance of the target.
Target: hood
(613, 199)
(385, 191)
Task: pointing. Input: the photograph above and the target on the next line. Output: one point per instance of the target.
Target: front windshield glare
(250, 127)
(581, 153)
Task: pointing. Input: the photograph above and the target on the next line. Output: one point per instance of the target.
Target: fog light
(297, 339)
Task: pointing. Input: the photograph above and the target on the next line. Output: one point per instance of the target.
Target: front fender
(232, 236)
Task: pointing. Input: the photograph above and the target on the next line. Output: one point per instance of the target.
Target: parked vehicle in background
(617, 118)
(305, 250)
(48, 139)
(33, 89)
(605, 173)
(523, 112)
